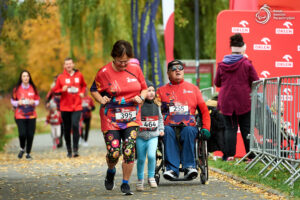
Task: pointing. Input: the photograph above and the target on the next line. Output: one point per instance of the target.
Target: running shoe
(109, 181)
(125, 188)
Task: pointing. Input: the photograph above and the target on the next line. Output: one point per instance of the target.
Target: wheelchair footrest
(181, 179)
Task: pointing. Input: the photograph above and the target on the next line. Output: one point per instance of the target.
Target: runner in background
(54, 119)
(56, 98)
(87, 107)
(71, 85)
(24, 100)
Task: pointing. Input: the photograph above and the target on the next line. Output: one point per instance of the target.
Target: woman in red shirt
(24, 100)
(120, 88)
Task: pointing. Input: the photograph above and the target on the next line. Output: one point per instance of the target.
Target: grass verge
(275, 180)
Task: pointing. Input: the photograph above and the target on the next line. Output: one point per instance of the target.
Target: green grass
(275, 180)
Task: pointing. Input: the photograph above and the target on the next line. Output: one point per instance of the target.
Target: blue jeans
(144, 148)
(173, 155)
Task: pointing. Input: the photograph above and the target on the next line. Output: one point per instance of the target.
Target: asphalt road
(51, 175)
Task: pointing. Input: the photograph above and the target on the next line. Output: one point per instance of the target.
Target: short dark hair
(236, 40)
(174, 62)
(68, 58)
(120, 48)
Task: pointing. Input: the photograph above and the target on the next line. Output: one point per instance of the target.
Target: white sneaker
(170, 174)
(190, 173)
(140, 185)
(85, 144)
(152, 182)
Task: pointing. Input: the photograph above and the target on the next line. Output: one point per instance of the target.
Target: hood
(232, 62)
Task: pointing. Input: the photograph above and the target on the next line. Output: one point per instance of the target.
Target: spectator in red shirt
(180, 100)
(120, 88)
(71, 85)
(24, 100)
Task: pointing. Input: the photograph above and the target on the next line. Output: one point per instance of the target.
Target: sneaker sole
(192, 175)
(110, 188)
(168, 177)
(128, 193)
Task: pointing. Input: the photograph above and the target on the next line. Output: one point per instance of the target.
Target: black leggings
(26, 129)
(71, 122)
(87, 122)
(231, 128)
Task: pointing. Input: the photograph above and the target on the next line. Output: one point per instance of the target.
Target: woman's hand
(104, 100)
(31, 102)
(137, 99)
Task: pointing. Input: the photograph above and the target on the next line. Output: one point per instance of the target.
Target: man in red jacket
(72, 86)
(180, 100)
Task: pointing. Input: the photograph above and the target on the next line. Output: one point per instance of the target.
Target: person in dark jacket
(234, 76)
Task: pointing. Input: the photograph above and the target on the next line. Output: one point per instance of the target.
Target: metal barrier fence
(207, 93)
(275, 125)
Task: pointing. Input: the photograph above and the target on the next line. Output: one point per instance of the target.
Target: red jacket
(70, 100)
(180, 102)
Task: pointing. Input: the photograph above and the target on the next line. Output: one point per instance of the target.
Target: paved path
(51, 175)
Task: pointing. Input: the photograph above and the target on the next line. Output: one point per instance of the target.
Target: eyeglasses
(175, 67)
(118, 62)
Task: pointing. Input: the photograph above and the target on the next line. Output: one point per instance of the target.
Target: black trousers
(85, 133)
(26, 129)
(71, 122)
(231, 128)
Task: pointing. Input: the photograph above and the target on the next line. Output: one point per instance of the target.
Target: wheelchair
(201, 158)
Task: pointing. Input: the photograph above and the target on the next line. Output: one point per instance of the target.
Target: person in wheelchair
(180, 100)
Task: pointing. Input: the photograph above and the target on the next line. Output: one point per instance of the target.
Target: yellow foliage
(48, 49)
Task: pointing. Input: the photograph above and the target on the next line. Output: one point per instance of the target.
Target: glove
(205, 133)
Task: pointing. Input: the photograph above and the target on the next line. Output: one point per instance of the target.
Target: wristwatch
(143, 99)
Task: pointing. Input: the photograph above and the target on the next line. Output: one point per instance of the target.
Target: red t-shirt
(25, 111)
(70, 100)
(87, 102)
(122, 87)
(180, 102)
(54, 118)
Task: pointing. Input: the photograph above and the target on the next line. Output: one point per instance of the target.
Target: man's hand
(64, 88)
(205, 133)
(162, 133)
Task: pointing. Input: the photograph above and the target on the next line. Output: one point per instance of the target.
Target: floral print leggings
(113, 144)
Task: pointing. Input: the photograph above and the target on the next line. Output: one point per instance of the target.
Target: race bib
(85, 104)
(149, 123)
(73, 89)
(179, 110)
(25, 101)
(53, 120)
(125, 114)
